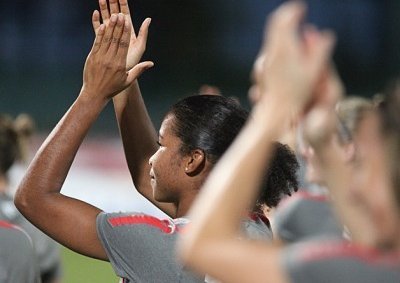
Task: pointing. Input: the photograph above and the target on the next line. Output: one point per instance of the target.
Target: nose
(151, 159)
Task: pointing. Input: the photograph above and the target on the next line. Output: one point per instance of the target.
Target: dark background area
(45, 42)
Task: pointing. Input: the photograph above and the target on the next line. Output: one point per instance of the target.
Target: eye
(159, 144)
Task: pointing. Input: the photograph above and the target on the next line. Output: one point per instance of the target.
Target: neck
(184, 204)
(3, 184)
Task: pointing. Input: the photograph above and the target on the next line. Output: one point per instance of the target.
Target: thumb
(136, 71)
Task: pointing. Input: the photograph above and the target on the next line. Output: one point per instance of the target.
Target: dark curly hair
(281, 178)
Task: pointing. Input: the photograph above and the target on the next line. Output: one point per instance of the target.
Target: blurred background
(45, 44)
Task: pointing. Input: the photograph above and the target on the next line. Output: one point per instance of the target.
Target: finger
(96, 21)
(117, 34)
(136, 71)
(283, 27)
(124, 7)
(320, 51)
(143, 33)
(105, 14)
(108, 35)
(114, 7)
(124, 42)
(99, 38)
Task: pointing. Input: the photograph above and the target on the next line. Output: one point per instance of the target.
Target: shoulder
(335, 259)
(257, 227)
(140, 221)
(11, 231)
(17, 256)
(302, 197)
(303, 208)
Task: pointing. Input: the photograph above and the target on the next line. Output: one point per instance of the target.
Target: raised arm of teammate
(212, 244)
(67, 220)
(137, 131)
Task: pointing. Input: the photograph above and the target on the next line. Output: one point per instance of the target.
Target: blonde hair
(350, 112)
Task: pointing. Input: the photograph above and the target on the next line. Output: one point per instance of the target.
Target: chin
(158, 197)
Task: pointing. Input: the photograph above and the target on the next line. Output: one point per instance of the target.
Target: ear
(195, 162)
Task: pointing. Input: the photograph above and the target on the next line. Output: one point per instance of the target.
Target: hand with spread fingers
(137, 131)
(105, 68)
(137, 44)
(293, 54)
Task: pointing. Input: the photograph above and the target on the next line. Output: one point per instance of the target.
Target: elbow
(25, 199)
(21, 199)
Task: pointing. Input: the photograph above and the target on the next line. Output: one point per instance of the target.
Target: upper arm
(136, 243)
(69, 221)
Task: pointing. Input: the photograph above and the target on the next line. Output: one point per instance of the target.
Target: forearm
(138, 134)
(139, 139)
(230, 190)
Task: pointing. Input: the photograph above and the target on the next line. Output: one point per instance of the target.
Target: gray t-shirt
(333, 262)
(257, 227)
(141, 248)
(46, 249)
(17, 258)
(306, 215)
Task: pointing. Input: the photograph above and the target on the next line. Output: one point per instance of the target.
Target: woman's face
(313, 174)
(166, 164)
(372, 188)
(312, 169)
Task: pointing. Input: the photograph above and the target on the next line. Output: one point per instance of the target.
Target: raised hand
(105, 72)
(137, 44)
(320, 123)
(294, 60)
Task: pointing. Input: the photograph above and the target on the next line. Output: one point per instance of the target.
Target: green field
(82, 269)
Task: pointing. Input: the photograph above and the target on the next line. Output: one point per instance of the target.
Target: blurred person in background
(14, 146)
(297, 81)
(18, 261)
(309, 212)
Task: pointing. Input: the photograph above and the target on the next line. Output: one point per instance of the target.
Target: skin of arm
(67, 220)
(137, 131)
(211, 243)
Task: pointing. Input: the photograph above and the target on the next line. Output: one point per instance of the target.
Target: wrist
(91, 98)
(270, 118)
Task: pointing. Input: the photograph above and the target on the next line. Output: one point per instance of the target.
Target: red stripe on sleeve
(7, 225)
(345, 250)
(163, 225)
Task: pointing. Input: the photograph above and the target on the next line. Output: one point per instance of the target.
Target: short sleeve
(301, 218)
(331, 263)
(140, 247)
